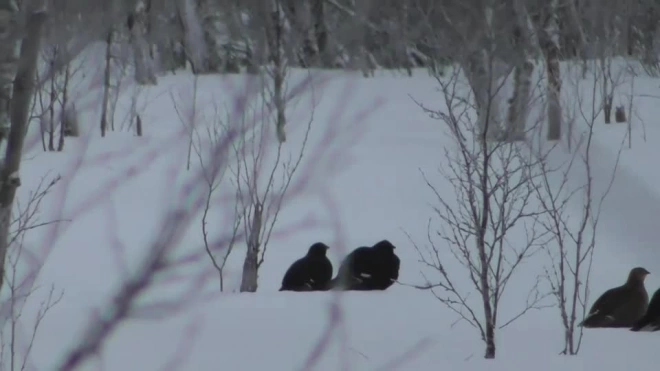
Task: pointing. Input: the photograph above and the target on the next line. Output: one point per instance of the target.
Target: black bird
(352, 269)
(621, 306)
(312, 272)
(368, 268)
(651, 320)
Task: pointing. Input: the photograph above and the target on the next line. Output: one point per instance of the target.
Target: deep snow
(365, 186)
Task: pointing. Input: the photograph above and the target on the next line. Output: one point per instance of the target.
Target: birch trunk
(550, 46)
(144, 67)
(479, 73)
(106, 81)
(8, 61)
(522, 78)
(321, 33)
(21, 96)
(274, 38)
(250, 278)
(299, 17)
(576, 24)
(213, 36)
(486, 292)
(519, 106)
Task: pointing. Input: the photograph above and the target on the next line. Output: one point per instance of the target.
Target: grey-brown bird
(621, 306)
(651, 320)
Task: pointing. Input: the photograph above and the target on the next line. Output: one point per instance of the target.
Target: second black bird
(368, 268)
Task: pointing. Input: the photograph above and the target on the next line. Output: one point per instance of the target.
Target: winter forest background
(166, 160)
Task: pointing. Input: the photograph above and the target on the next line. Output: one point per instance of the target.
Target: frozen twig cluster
(494, 206)
(15, 341)
(571, 204)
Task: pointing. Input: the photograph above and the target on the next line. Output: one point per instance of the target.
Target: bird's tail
(333, 284)
(344, 283)
(645, 325)
(327, 286)
(596, 320)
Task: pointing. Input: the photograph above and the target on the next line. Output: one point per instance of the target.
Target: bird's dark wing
(607, 303)
(396, 265)
(651, 319)
(363, 258)
(321, 273)
(632, 305)
(654, 304)
(294, 276)
(602, 312)
(646, 325)
(327, 268)
(291, 272)
(356, 262)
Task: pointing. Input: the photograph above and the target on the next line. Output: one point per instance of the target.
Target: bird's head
(638, 274)
(384, 246)
(318, 249)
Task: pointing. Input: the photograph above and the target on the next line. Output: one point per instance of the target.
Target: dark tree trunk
(321, 32)
(551, 53)
(19, 112)
(250, 278)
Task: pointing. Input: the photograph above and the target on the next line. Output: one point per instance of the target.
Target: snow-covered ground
(362, 183)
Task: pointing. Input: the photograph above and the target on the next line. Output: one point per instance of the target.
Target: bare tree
(116, 70)
(213, 181)
(166, 255)
(519, 106)
(610, 81)
(548, 38)
(262, 169)
(263, 176)
(19, 113)
(494, 204)
(188, 115)
(51, 106)
(15, 341)
(209, 12)
(52, 103)
(194, 36)
(144, 65)
(646, 29)
(306, 21)
(568, 181)
(209, 133)
(8, 42)
(106, 81)
(277, 71)
(321, 33)
(68, 113)
(606, 23)
(263, 172)
(493, 43)
(564, 20)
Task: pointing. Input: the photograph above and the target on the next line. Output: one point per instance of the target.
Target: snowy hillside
(359, 182)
